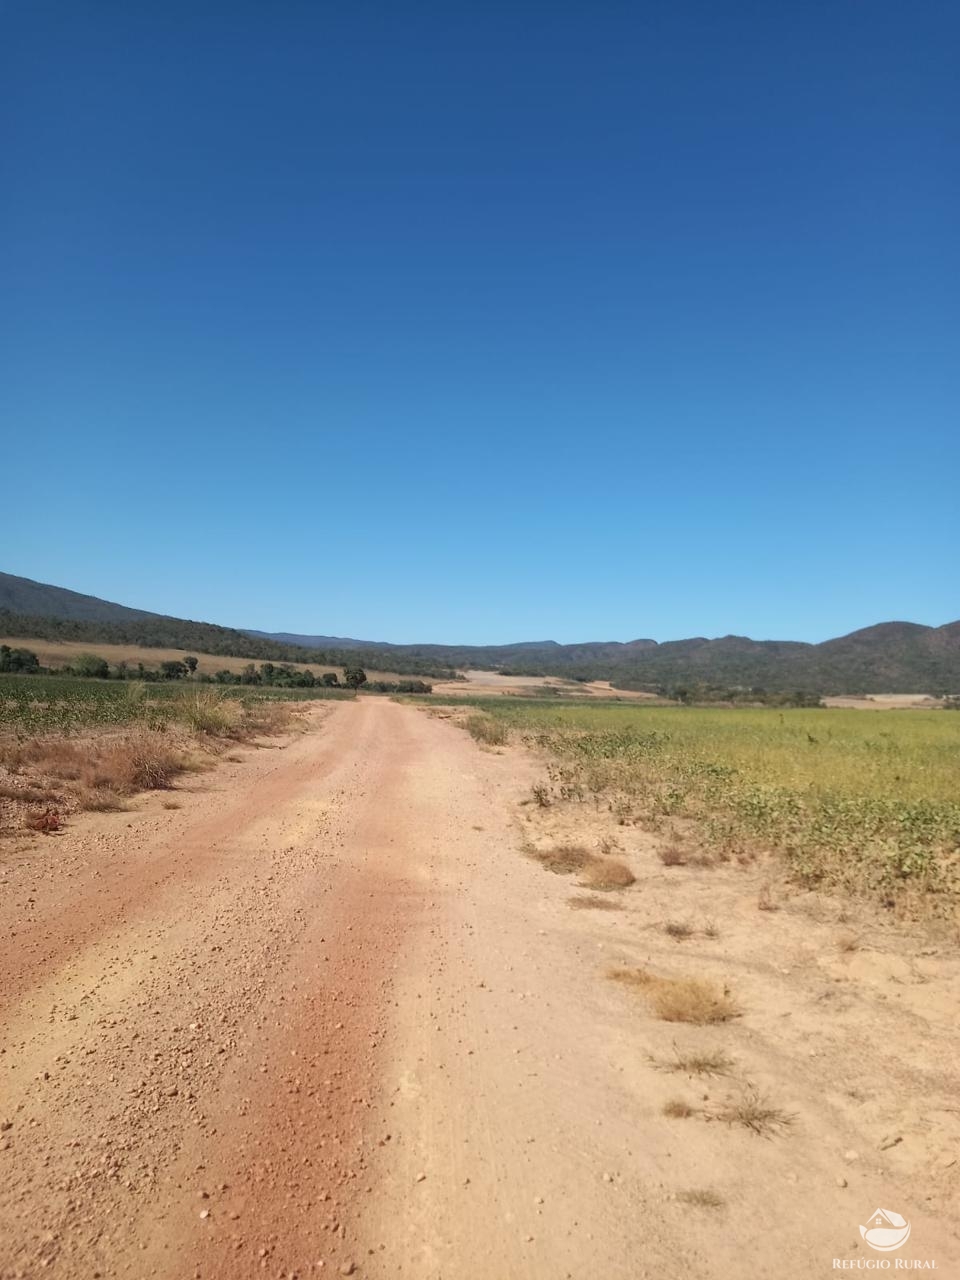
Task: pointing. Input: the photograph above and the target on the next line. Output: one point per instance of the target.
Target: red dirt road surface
(325, 1019)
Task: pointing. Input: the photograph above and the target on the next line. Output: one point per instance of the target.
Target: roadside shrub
(485, 729)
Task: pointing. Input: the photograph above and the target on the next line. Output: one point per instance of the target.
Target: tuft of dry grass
(681, 999)
(680, 930)
(171, 804)
(697, 1062)
(606, 873)
(672, 855)
(678, 1109)
(595, 872)
(99, 800)
(563, 860)
(207, 711)
(593, 901)
(140, 761)
(766, 900)
(28, 795)
(752, 1110)
(701, 1198)
(848, 942)
(266, 718)
(484, 728)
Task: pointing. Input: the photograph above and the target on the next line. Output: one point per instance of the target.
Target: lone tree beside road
(354, 677)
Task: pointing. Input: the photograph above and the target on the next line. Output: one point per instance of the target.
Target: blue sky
(484, 322)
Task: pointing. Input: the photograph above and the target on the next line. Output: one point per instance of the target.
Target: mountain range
(891, 657)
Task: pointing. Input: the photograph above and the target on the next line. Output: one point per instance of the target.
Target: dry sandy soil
(327, 1018)
(484, 683)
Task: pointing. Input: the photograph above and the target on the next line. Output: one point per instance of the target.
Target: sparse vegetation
(563, 860)
(701, 1198)
(672, 856)
(105, 741)
(854, 801)
(681, 999)
(697, 1062)
(606, 873)
(765, 899)
(679, 930)
(593, 902)
(487, 730)
(751, 1110)
(678, 1109)
(596, 872)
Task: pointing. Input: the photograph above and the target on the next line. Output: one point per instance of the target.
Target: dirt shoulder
(328, 1013)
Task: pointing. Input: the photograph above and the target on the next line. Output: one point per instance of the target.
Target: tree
(190, 663)
(91, 665)
(18, 659)
(329, 678)
(354, 677)
(173, 670)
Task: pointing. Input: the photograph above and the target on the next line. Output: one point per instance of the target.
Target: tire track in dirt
(327, 1019)
(224, 1036)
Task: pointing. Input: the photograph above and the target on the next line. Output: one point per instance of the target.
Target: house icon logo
(886, 1231)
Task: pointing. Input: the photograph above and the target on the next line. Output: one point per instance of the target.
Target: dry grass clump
(680, 930)
(671, 855)
(596, 872)
(563, 860)
(486, 729)
(678, 1109)
(606, 873)
(140, 761)
(765, 899)
(681, 999)
(753, 1111)
(697, 1062)
(593, 901)
(266, 718)
(28, 795)
(207, 711)
(99, 800)
(701, 1198)
(848, 942)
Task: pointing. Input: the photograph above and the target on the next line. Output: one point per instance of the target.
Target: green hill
(892, 657)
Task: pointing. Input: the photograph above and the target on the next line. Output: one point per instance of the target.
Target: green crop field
(64, 704)
(865, 800)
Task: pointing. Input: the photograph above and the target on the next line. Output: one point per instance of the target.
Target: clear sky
(484, 322)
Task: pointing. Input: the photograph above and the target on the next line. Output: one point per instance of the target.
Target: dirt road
(325, 1019)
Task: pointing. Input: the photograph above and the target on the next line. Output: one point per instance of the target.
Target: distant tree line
(92, 666)
(205, 637)
(689, 694)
